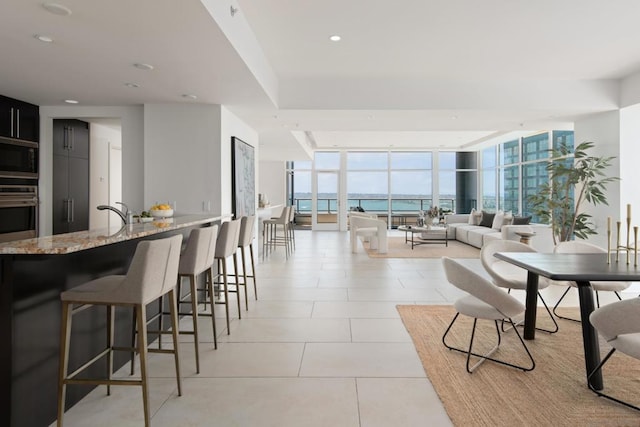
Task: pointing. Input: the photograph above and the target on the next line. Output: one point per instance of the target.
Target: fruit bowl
(161, 213)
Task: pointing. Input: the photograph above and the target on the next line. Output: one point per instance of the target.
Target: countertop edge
(79, 241)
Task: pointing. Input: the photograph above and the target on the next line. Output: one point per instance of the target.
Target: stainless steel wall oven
(18, 212)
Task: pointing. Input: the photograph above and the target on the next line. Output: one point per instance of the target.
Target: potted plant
(572, 182)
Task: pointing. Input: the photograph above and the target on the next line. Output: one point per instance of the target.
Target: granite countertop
(81, 240)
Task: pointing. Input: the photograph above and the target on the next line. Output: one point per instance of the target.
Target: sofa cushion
(521, 220)
(486, 238)
(476, 235)
(487, 219)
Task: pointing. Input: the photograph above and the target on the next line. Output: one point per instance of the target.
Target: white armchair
(367, 227)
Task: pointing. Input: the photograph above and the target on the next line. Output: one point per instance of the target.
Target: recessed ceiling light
(454, 117)
(132, 85)
(57, 9)
(45, 39)
(335, 38)
(370, 117)
(189, 96)
(70, 101)
(142, 66)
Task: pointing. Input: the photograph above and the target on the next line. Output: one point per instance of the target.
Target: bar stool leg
(209, 277)
(65, 338)
(226, 291)
(244, 275)
(134, 320)
(174, 332)
(110, 324)
(253, 271)
(238, 286)
(141, 320)
(194, 317)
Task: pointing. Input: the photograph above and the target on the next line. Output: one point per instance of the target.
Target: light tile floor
(323, 346)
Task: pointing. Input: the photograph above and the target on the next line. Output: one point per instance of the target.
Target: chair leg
(173, 310)
(237, 280)
(194, 317)
(521, 322)
(226, 292)
(141, 320)
(253, 271)
(470, 353)
(134, 320)
(244, 275)
(110, 327)
(555, 307)
(601, 394)
(212, 300)
(65, 338)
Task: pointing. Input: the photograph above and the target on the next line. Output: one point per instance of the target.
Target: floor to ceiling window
(368, 181)
(509, 176)
(489, 179)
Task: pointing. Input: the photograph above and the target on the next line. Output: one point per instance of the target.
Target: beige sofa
(476, 235)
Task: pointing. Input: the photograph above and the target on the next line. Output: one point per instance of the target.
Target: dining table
(581, 269)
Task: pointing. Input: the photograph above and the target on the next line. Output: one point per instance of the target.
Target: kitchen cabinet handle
(72, 140)
(72, 210)
(18, 123)
(12, 121)
(64, 138)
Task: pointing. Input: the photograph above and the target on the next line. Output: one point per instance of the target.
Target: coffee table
(436, 235)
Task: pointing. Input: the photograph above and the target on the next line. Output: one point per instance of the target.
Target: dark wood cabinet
(19, 120)
(70, 176)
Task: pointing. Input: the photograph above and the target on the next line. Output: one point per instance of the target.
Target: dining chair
(578, 247)
(152, 274)
(484, 301)
(509, 276)
(619, 324)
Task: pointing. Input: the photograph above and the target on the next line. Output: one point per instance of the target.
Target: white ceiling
(417, 73)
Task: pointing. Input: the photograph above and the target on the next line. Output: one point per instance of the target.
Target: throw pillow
(472, 217)
(497, 221)
(508, 218)
(487, 219)
(521, 220)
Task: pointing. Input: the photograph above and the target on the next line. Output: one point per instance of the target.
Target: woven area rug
(399, 249)
(553, 394)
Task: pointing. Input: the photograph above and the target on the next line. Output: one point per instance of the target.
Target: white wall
(102, 138)
(272, 181)
(630, 90)
(131, 119)
(182, 156)
(604, 130)
(629, 155)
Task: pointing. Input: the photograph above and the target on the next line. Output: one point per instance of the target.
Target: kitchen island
(33, 273)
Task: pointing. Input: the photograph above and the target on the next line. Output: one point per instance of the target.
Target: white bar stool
(152, 274)
(247, 226)
(197, 258)
(226, 245)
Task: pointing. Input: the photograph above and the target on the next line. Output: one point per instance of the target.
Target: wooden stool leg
(173, 309)
(141, 320)
(244, 275)
(235, 273)
(253, 271)
(209, 276)
(194, 317)
(65, 338)
(226, 293)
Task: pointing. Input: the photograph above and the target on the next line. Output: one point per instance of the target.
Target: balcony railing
(380, 206)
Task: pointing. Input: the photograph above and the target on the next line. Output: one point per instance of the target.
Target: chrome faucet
(126, 216)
